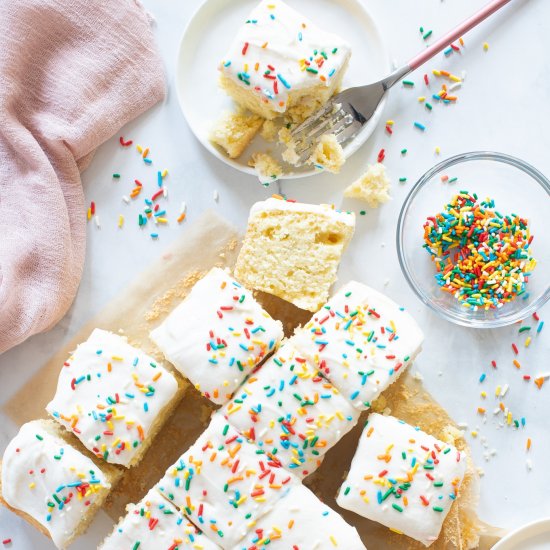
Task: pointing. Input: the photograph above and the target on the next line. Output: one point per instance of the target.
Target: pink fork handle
(456, 33)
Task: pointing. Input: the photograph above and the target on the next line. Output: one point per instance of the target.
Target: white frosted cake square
(281, 62)
(113, 397)
(217, 335)
(291, 412)
(301, 521)
(292, 250)
(403, 478)
(361, 341)
(225, 484)
(155, 524)
(52, 485)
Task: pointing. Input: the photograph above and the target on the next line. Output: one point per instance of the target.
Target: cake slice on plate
(155, 524)
(114, 397)
(280, 62)
(301, 521)
(361, 341)
(291, 412)
(49, 483)
(217, 335)
(293, 250)
(225, 484)
(403, 478)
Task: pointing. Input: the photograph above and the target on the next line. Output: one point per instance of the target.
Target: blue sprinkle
(420, 126)
(285, 83)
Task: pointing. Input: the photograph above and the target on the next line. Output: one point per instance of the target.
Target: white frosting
(50, 481)
(225, 484)
(291, 412)
(361, 341)
(302, 521)
(156, 524)
(217, 335)
(109, 394)
(273, 205)
(274, 49)
(402, 478)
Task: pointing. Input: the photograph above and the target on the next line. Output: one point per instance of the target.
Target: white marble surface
(504, 106)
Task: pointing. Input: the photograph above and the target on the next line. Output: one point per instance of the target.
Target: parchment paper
(213, 242)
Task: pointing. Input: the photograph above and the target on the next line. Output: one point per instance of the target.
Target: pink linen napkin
(72, 72)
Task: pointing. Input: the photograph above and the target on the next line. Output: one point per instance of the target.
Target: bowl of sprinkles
(472, 239)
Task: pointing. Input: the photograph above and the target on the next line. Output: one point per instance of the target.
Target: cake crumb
(267, 168)
(269, 130)
(328, 153)
(372, 187)
(234, 131)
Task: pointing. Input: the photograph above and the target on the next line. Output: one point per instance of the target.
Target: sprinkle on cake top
(361, 341)
(50, 481)
(291, 412)
(403, 478)
(278, 50)
(217, 335)
(224, 483)
(109, 394)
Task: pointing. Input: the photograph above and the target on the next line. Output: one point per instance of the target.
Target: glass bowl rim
(525, 167)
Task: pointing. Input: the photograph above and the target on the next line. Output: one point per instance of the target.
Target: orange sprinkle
(528, 443)
(140, 432)
(145, 152)
(539, 382)
(516, 364)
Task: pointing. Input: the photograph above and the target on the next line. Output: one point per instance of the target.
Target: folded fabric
(73, 72)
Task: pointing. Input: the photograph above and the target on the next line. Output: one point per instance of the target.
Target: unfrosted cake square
(291, 412)
(49, 483)
(155, 524)
(301, 521)
(114, 397)
(217, 335)
(225, 484)
(403, 478)
(292, 250)
(361, 341)
(280, 62)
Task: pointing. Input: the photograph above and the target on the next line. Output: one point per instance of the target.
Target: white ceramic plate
(533, 536)
(211, 30)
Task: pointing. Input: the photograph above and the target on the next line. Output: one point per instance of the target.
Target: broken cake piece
(291, 412)
(361, 341)
(403, 478)
(234, 131)
(217, 335)
(372, 187)
(114, 397)
(292, 250)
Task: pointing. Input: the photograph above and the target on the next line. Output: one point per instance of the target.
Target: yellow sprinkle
(389, 122)
(527, 341)
(474, 433)
(436, 73)
(485, 46)
(139, 148)
(484, 394)
(455, 78)
(164, 173)
(162, 220)
(333, 540)
(120, 220)
(421, 99)
(32, 485)
(437, 150)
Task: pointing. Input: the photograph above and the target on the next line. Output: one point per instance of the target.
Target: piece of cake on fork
(217, 335)
(361, 341)
(291, 412)
(292, 250)
(403, 478)
(51, 484)
(280, 62)
(114, 397)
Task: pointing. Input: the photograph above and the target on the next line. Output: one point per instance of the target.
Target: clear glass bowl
(516, 187)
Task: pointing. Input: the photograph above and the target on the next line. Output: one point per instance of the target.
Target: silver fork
(347, 112)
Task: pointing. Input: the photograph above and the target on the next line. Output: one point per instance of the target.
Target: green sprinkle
(39, 437)
(362, 212)
(402, 179)
(397, 507)
(403, 151)
(408, 83)
(427, 35)
(437, 509)
(116, 176)
(428, 106)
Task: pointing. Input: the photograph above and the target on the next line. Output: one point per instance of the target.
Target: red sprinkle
(381, 155)
(125, 143)
(245, 47)
(426, 80)
(389, 130)
(515, 348)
